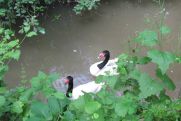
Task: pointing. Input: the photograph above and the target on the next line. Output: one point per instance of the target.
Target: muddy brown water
(72, 43)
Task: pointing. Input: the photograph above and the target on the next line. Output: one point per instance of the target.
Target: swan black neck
(70, 86)
(107, 57)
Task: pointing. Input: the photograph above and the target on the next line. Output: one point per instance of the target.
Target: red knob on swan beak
(66, 81)
(101, 56)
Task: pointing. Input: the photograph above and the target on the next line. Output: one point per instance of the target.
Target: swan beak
(66, 81)
(101, 56)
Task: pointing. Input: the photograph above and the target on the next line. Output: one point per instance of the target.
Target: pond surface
(72, 43)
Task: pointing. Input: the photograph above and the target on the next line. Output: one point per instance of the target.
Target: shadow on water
(71, 43)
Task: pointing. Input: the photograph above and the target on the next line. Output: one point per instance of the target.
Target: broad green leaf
(26, 28)
(30, 34)
(68, 116)
(42, 75)
(2, 12)
(165, 30)
(16, 54)
(126, 105)
(109, 80)
(36, 82)
(53, 77)
(3, 70)
(17, 107)
(25, 96)
(34, 118)
(147, 85)
(147, 38)
(86, 104)
(13, 43)
(53, 105)
(1, 30)
(166, 80)
(79, 103)
(2, 100)
(1, 1)
(106, 98)
(59, 95)
(92, 106)
(163, 59)
(2, 90)
(41, 110)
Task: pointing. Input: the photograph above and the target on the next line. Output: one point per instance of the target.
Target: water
(72, 43)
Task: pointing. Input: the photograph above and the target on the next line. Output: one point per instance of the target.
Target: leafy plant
(85, 5)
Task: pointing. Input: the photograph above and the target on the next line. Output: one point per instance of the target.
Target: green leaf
(68, 116)
(26, 28)
(1, 1)
(106, 98)
(79, 103)
(163, 59)
(41, 30)
(126, 105)
(34, 118)
(17, 107)
(2, 100)
(2, 12)
(30, 34)
(53, 105)
(1, 30)
(25, 96)
(147, 38)
(178, 59)
(147, 85)
(2, 90)
(3, 70)
(109, 80)
(13, 43)
(86, 104)
(16, 54)
(143, 60)
(92, 106)
(59, 95)
(165, 30)
(41, 110)
(167, 82)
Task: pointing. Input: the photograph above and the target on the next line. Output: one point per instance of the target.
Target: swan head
(104, 54)
(68, 80)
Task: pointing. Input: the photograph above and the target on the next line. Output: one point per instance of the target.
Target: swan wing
(92, 87)
(94, 69)
(110, 68)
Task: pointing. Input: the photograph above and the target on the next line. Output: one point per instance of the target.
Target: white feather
(90, 87)
(110, 68)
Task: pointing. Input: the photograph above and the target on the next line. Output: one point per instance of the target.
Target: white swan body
(90, 87)
(110, 68)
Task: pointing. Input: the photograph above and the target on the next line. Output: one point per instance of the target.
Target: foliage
(85, 5)
(163, 59)
(23, 103)
(147, 85)
(29, 10)
(165, 30)
(130, 96)
(147, 37)
(9, 49)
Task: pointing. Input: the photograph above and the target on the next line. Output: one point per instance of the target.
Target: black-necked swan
(105, 66)
(75, 93)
